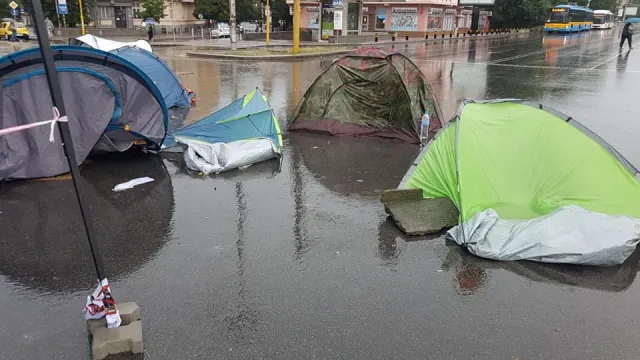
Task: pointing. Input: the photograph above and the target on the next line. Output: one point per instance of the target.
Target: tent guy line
(52, 123)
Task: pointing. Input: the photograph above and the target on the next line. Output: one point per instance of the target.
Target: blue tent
(172, 91)
(242, 133)
(249, 117)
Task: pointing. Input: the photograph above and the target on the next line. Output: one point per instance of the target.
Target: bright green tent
(523, 163)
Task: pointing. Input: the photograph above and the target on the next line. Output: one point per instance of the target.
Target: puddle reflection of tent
(43, 245)
(347, 165)
(472, 272)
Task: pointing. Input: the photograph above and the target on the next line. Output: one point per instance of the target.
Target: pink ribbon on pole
(56, 118)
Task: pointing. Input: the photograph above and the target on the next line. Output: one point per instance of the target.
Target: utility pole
(232, 24)
(173, 24)
(268, 14)
(81, 16)
(296, 26)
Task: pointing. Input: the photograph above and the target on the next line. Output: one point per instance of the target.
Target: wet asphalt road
(296, 260)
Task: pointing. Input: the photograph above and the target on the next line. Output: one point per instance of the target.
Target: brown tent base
(338, 128)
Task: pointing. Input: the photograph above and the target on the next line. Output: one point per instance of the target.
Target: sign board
(62, 7)
(13, 5)
(632, 10)
(314, 17)
(476, 2)
(404, 19)
(338, 4)
(200, 16)
(337, 20)
(15, 12)
(290, 10)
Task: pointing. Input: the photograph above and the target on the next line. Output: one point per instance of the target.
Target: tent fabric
(174, 94)
(140, 54)
(104, 95)
(106, 44)
(369, 93)
(241, 133)
(519, 161)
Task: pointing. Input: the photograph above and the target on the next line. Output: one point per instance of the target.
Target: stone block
(129, 312)
(126, 338)
(417, 216)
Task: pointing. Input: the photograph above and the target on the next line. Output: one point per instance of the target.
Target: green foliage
(280, 10)
(597, 4)
(152, 9)
(4, 8)
(218, 10)
(72, 18)
(520, 13)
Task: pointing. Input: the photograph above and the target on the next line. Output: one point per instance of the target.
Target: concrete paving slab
(129, 312)
(417, 216)
(123, 339)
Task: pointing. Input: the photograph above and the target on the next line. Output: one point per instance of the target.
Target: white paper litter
(131, 183)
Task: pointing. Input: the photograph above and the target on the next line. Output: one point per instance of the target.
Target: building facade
(412, 16)
(178, 15)
(114, 14)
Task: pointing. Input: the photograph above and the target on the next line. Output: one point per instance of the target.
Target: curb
(266, 57)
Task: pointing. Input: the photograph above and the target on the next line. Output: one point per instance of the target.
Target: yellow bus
(569, 18)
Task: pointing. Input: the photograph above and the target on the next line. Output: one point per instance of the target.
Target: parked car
(21, 30)
(220, 30)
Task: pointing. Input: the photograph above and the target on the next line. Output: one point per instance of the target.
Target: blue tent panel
(249, 117)
(172, 91)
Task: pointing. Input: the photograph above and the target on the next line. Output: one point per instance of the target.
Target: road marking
(604, 62)
(525, 66)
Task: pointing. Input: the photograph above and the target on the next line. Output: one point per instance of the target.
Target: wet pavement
(296, 259)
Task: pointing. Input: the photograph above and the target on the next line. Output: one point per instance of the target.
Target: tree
(217, 10)
(598, 4)
(152, 9)
(246, 10)
(280, 11)
(72, 18)
(520, 13)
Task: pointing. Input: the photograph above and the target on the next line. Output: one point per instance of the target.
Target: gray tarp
(567, 235)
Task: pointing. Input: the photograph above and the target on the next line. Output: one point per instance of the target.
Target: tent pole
(67, 141)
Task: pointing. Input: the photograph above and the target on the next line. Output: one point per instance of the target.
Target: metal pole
(64, 25)
(63, 127)
(58, 13)
(81, 17)
(232, 24)
(296, 26)
(268, 14)
(173, 24)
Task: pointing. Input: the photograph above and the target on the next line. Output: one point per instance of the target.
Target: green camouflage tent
(531, 183)
(369, 93)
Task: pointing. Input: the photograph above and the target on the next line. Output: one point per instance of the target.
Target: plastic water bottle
(424, 128)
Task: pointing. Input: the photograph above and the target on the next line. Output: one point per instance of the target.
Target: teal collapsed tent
(111, 105)
(240, 134)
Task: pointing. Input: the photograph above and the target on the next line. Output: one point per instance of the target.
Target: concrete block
(126, 338)
(417, 216)
(129, 312)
